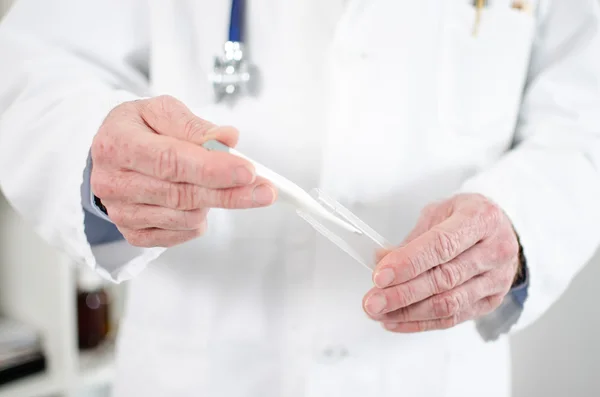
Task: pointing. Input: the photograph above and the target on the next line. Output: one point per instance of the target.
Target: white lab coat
(384, 104)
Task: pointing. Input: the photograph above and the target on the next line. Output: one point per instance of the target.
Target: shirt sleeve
(549, 183)
(65, 65)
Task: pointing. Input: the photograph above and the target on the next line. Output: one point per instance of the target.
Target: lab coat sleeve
(64, 65)
(549, 183)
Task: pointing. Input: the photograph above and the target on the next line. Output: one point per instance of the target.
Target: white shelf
(38, 287)
(97, 367)
(32, 386)
(96, 370)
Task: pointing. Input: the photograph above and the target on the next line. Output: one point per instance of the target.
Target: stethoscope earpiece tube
(236, 21)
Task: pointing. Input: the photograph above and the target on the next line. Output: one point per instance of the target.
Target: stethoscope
(232, 74)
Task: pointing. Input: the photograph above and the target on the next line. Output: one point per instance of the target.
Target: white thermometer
(288, 191)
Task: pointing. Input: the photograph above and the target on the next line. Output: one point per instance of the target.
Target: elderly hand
(456, 265)
(156, 181)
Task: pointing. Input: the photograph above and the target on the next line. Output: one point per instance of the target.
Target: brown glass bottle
(93, 314)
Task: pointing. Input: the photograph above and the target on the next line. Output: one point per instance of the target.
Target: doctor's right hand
(156, 180)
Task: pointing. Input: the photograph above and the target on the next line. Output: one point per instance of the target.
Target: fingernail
(263, 195)
(384, 278)
(243, 175)
(390, 326)
(375, 304)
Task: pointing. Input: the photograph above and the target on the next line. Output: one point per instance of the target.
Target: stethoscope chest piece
(232, 72)
(233, 76)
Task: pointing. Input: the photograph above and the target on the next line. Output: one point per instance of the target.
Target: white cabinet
(4, 4)
(38, 286)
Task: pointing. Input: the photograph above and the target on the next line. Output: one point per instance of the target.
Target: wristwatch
(101, 207)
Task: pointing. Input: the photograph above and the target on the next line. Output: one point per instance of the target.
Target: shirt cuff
(501, 320)
(99, 229)
(87, 196)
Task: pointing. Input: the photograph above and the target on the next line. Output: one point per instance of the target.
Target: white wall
(560, 354)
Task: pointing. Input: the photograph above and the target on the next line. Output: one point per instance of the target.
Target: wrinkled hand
(456, 265)
(156, 181)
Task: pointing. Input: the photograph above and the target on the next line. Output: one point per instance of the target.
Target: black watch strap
(100, 206)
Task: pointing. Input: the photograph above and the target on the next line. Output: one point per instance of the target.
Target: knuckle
(103, 149)
(228, 198)
(506, 279)
(423, 326)
(403, 296)
(167, 164)
(498, 280)
(400, 316)
(491, 215)
(507, 248)
(193, 197)
(416, 265)
(491, 303)
(184, 197)
(174, 197)
(194, 127)
(193, 219)
(101, 185)
(449, 322)
(446, 245)
(446, 306)
(445, 277)
(207, 172)
(118, 216)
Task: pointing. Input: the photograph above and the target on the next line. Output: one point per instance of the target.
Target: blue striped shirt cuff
(98, 227)
(501, 320)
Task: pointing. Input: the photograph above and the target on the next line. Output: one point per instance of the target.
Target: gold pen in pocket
(479, 6)
(522, 5)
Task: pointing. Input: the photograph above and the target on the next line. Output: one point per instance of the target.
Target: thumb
(421, 227)
(169, 116)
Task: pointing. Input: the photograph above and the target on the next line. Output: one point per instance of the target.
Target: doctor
(486, 114)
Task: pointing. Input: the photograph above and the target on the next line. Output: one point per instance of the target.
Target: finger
(169, 116)
(153, 238)
(428, 325)
(481, 308)
(169, 159)
(451, 303)
(141, 216)
(422, 227)
(440, 279)
(440, 244)
(133, 188)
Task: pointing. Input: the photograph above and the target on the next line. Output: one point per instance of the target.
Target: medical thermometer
(288, 190)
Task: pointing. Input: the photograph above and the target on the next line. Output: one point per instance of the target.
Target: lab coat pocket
(374, 73)
(483, 67)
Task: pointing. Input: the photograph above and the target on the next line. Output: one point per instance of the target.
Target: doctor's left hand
(456, 265)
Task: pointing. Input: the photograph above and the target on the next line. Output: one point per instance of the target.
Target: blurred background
(57, 326)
